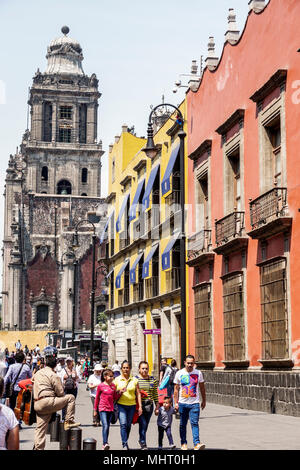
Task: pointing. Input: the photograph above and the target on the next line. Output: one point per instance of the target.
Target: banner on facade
(152, 332)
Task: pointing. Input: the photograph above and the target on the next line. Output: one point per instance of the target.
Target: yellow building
(142, 248)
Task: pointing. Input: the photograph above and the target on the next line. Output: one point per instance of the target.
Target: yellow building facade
(142, 238)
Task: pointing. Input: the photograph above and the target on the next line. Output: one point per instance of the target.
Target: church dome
(64, 55)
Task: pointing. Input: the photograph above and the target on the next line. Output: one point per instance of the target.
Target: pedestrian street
(221, 428)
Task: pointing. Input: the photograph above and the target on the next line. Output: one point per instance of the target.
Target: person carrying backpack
(70, 381)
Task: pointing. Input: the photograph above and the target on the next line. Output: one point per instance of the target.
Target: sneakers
(199, 446)
(184, 447)
(173, 446)
(125, 446)
(70, 424)
(105, 447)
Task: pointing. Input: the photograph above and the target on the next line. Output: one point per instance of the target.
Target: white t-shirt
(116, 368)
(8, 421)
(94, 380)
(189, 385)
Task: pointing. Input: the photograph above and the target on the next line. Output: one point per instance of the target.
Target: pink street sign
(152, 332)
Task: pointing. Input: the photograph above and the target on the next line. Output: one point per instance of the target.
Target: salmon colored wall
(269, 42)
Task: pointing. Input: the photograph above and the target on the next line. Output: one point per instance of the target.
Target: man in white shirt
(116, 369)
(189, 383)
(93, 382)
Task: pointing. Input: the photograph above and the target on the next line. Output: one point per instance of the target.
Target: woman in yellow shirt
(127, 402)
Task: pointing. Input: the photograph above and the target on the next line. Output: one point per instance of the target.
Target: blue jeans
(125, 417)
(144, 420)
(105, 417)
(191, 412)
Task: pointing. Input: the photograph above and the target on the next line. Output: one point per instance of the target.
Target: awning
(106, 227)
(118, 223)
(166, 181)
(119, 276)
(146, 198)
(110, 273)
(147, 261)
(132, 210)
(132, 274)
(166, 257)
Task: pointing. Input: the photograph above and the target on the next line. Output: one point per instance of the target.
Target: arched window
(84, 175)
(42, 314)
(64, 187)
(44, 173)
(83, 194)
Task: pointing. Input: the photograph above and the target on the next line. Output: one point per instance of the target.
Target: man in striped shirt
(148, 385)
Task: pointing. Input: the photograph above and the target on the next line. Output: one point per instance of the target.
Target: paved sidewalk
(221, 427)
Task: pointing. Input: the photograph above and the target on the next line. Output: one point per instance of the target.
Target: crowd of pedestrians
(115, 393)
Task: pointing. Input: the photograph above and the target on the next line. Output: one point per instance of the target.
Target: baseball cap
(69, 358)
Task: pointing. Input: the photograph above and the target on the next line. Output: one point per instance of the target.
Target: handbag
(10, 387)
(147, 406)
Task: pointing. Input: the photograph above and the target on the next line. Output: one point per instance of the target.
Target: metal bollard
(63, 437)
(89, 444)
(54, 430)
(75, 435)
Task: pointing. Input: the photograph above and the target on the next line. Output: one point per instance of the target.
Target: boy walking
(164, 422)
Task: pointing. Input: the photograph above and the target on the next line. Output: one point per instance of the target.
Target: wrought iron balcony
(124, 240)
(230, 233)
(173, 201)
(138, 292)
(123, 297)
(173, 279)
(199, 248)
(269, 214)
(151, 286)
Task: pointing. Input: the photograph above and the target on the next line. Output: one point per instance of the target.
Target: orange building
(244, 189)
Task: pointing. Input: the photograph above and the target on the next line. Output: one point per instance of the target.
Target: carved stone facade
(52, 187)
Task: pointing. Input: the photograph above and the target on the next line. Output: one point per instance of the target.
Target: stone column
(90, 129)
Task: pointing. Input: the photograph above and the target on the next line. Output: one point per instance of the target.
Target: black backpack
(172, 375)
(69, 383)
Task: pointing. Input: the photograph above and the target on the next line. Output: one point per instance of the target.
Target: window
(129, 352)
(234, 182)
(83, 194)
(233, 309)
(274, 310)
(84, 175)
(42, 314)
(82, 123)
(274, 135)
(47, 121)
(64, 187)
(65, 112)
(44, 174)
(203, 336)
(202, 215)
(64, 135)
(112, 290)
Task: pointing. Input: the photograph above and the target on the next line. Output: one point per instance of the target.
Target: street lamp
(151, 151)
(75, 244)
(71, 255)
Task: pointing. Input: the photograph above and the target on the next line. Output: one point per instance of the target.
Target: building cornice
(278, 79)
(235, 118)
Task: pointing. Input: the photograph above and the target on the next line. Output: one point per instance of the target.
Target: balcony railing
(138, 292)
(123, 297)
(173, 279)
(198, 244)
(268, 206)
(124, 240)
(172, 202)
(229, 227)
(151, 287)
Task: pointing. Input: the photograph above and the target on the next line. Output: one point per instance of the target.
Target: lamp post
(76, 244)
(71, 255)
(151, 151)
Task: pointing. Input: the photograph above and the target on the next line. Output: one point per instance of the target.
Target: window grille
(203, 336)
(233, 309)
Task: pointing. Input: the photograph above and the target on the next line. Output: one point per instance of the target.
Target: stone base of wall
(270, 392)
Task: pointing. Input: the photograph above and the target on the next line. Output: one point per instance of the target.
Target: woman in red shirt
(104, 402)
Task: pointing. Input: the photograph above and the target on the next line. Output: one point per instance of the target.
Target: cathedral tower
(53, 184)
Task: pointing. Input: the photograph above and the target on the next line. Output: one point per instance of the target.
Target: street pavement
(221, 428)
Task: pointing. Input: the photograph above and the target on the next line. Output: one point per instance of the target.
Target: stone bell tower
(52, 183)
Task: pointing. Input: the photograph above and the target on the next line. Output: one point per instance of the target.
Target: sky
(137, 49)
